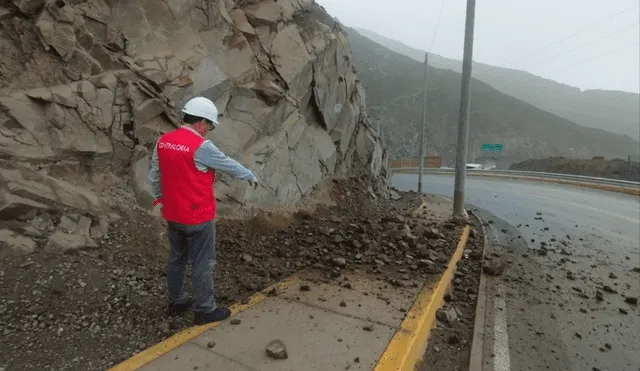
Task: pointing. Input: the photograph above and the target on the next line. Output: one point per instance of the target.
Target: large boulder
(34, 206)
(88, 86)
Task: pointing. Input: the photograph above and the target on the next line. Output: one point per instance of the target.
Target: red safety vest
(187, 193)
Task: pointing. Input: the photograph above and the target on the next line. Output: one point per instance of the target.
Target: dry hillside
(614, 111)
(394, 85)
(598, 167)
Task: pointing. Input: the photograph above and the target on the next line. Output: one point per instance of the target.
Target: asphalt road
(552, 311)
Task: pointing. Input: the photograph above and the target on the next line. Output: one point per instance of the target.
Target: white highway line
(501, 357)
(501, 360)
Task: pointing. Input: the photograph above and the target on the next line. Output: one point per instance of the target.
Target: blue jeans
(195, 243)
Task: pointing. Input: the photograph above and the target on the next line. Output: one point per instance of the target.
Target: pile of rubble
(450, 341)
(87, 89)
(87, 308)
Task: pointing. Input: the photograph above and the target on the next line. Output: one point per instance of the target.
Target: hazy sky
(517, 34)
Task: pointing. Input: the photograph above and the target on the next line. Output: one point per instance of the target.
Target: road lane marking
(501, 357)
(409, 343)
(501, 360)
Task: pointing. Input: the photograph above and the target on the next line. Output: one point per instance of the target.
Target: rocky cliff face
(86, 88)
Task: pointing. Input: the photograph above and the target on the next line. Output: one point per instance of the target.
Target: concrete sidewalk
(356, 322)
(327, 327)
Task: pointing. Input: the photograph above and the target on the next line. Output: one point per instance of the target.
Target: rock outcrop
(86, 88)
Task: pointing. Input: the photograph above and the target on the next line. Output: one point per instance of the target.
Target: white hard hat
(202, 107)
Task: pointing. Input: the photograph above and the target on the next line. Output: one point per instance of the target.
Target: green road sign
(492, 147)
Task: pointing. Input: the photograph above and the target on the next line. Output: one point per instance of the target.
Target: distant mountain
(615, 111)
(393, 84)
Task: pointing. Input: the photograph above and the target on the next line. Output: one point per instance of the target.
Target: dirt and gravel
(449, 346)
(91, 309)
(572, 298)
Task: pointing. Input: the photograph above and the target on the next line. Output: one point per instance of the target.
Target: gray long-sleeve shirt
(206, 157)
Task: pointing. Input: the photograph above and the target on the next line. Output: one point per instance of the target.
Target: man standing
(183, 170)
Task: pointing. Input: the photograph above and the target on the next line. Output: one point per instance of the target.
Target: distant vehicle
(489, 166)
(472, 167)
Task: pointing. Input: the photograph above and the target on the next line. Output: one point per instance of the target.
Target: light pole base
(458, 204)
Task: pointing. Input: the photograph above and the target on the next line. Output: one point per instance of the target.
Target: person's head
(201, 114)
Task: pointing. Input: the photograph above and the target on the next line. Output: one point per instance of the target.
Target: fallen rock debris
(494, 267)
(631, 300)
(447, 315)
(368, 327)
(448, 342)
(107, 303)
(277, 350)
(83, 101)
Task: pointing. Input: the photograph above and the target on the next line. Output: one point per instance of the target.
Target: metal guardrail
(532, 175)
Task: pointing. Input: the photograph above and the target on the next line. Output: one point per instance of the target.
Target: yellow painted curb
(408, 344)
(188, 334)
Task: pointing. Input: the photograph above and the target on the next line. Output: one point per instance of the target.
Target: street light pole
(463, 118)
(424, 124)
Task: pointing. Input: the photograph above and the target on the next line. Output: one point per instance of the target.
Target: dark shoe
(217, 315)
(177, 309)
